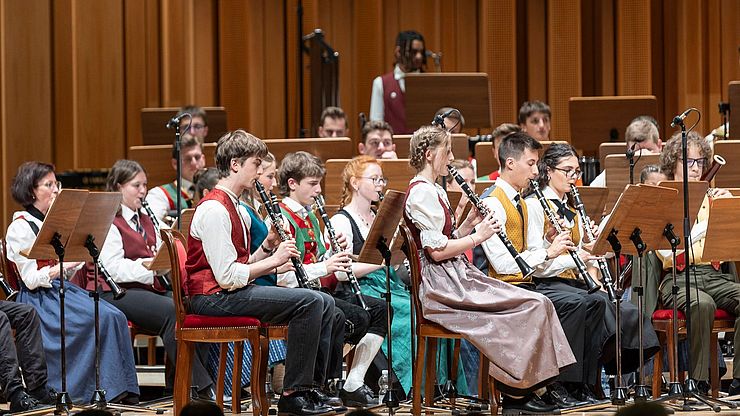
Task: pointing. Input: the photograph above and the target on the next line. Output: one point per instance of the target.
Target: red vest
(394, 107)
(200, 279)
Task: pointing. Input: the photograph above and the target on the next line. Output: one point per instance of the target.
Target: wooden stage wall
(74, 73)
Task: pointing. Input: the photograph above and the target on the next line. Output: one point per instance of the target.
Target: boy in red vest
(299, 178)
(220, 273)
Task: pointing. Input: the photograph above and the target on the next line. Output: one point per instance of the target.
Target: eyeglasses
(51, 185)
(571, 173)
(196, 126)
(376, 180)
(701, 162)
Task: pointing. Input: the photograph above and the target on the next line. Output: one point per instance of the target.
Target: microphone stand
(390, 399)
(178, 201)
(631, 157)
(620, 395)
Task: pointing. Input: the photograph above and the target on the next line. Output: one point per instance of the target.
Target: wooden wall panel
(536, 33)
(563, 62)
(633, 47)
(498, 58)
(26, 114)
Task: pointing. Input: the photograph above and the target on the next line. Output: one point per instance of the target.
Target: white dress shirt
(498, 256)
(315, 270)
(159, 202)
(211, 219)
(121, 269)
(20, 237)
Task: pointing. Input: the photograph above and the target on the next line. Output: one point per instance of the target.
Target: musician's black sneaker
(22, 402)
(44, 395)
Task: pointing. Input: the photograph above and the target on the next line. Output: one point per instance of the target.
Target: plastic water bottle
(383, 384)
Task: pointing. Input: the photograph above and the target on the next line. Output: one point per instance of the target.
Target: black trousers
(315, 325)
(26, 352)
(155, 313)
(373, 321)
(582, 317)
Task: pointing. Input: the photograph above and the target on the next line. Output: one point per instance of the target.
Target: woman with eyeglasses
(558, 279)
(711, 287)
(35, 188)
(363, 182)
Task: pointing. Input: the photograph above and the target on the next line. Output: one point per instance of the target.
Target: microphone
(630, 153)
(439, 120)
(175, 121)
(679, 118)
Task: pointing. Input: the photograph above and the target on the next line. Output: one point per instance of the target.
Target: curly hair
(354, 169)
(671, 153)
(427, 137)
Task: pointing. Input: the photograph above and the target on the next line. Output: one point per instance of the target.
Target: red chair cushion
(666, 314)
(205, 321)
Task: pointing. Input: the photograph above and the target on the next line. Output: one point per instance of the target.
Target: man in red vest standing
(387, 99)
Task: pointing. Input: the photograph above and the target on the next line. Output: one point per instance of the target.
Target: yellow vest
(575, 235)
(515, 230)
(698, 247)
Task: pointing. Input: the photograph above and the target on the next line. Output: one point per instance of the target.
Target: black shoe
(531, 405)
(362, 397)
(44, 395)
(734, 389)
(334, 402)
(559, 396)
(301, 403)
(22, 402)
(703, 387)
(583, 393)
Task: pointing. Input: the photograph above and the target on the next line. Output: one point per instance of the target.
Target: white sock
(365, 352)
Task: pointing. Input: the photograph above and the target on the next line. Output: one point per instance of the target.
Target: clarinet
(603, 266)
(277, 223)
(354, 284)
(162, 279)
(580, 265)
(118, 291)
(525, 268)
(10, 293)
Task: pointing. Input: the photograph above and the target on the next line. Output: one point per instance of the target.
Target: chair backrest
(411, 251)
(8, 268)
(175, 243)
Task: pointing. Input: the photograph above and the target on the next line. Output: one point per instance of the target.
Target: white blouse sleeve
(123, 270)
(424, 209)
(20, 237)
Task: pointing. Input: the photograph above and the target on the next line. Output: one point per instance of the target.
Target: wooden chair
(663, 324)
(193, 328)
(427, 333)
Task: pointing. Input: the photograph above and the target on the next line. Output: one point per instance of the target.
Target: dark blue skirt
(117, 368)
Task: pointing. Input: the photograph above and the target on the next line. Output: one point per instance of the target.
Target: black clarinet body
(525, 268)
(354, 284)
(580, 265)
(277, 222)
(603, 266)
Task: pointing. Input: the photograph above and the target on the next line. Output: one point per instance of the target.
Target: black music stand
(377, 250)
(87, 238)
(639, 215)
(51, 243)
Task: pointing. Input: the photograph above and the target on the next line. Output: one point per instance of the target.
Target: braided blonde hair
(353, 169)
(427, 137)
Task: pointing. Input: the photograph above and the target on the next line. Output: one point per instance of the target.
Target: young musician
(299, 179)
(258, 232)
(133, 238)
(35, 187)
(516, 329)
(498, 135)
(362, 184)
(27, 360)
(163, 199)
(558, 279)
(534, 120)
(711, 288)
(221, 273)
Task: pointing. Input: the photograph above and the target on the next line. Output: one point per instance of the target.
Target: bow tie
(563, 211)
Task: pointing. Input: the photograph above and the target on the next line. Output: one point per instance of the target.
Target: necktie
(518, 203)
(139, 228)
